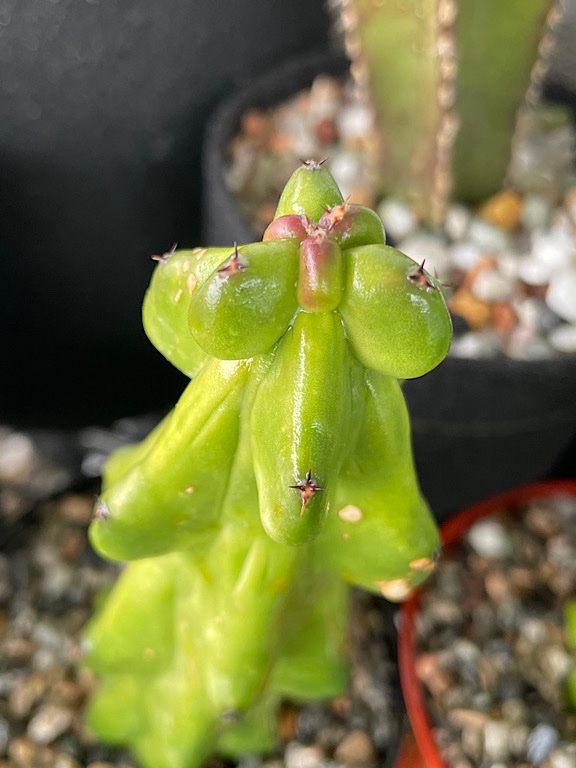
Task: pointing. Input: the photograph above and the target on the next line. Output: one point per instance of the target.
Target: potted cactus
(452, 86)
(283, 475)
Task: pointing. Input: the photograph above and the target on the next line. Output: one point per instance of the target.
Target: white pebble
(48, 723)
(535, 212)
(534, 271)
(555, 248)
(491, 286)
(355, 122)
(398, 218)
(541, 742)
(464, 255)
(487, 236)
(561, 294)
(346, 167)
(563, 338)
(457, 221)
(490, 539)
(16, 456)
(297, 756)
(472, 345)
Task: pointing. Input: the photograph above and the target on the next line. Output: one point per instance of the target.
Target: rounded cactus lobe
(170, 497)
(380, 534)
(394, 312)
(291, 226)
(300, 421)
(321, 278)
(165, 310)
(311, 190)
(246, 304)
(353, 225)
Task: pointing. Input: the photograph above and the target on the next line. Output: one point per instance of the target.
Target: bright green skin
(238, 594)
(570, 632)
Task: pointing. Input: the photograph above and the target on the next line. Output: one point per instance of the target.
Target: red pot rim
(451, 532)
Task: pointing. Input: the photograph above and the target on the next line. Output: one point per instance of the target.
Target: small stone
(297, 756)
(464, 255)
(48, 723)
(563, 338)
(561, 294)
(77, 509)
(475, 345)
(489, 538)
(534, 271)
(504, 318)
(554, 247)
(16, 457)
(356, 749)
(355, 123)
(398, 218)
(22, 751)
(561, 758)
(346, 169)
(503, 210)
(456, 221)
(18, 649)
(541, 742)
(496, 740)
(491, 286)
(476, 312)
(487, 236)
(536, 211)
(429, 670)
(26, 693)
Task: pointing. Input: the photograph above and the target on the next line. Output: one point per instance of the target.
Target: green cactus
(283, 474)
(446, 79)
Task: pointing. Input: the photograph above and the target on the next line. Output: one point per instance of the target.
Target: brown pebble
(72, 546)
(67, 693)
(326, 131)
(18, 649)
(429, 671)
(22, 751)
(356, 748)
(504, 318)
(76, 509)
(503, 210)
(476, 312)
(26, 693)
(100, 764)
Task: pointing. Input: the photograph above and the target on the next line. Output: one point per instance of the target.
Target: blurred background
(102, 112)
(103, 106)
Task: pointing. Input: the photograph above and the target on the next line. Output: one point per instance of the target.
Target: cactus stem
(420, 278)
(307, 488)
(165, 258)
(233, 264)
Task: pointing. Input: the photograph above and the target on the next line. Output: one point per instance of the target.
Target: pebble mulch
(491, 653)
(510, 265)
(49, 580)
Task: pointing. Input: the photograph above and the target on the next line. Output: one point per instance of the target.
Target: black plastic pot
(479, 426)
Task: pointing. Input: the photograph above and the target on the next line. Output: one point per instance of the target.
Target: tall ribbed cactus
(446, 79)
(283, 474)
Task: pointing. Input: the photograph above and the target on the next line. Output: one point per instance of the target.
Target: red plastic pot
(419, 749)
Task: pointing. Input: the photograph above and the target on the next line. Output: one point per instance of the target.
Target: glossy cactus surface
(283, 474)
